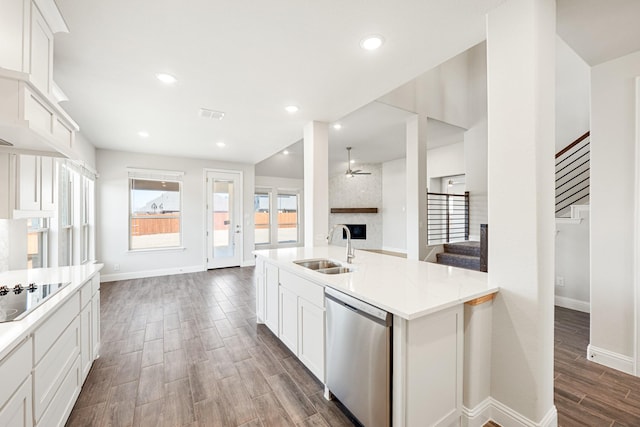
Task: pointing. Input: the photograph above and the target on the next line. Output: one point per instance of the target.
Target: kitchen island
(46, 354)
(426, 301)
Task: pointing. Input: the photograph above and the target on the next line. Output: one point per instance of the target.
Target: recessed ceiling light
(221, 144)
(337, 126)
(291, 109)
(285, 152)
(166, 78)
(371, 42)
(143, 134)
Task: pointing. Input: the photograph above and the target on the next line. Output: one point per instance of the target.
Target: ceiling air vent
(210, 114)
(5, 143)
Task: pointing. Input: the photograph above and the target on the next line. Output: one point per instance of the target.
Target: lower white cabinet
(42, 376)
(260, 289)
(15, 392)
(272, 295)
(288, 332)
(311, 327)
(17, 411)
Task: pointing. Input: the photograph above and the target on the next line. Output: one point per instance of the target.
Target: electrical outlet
(116, 267)
(559, 281)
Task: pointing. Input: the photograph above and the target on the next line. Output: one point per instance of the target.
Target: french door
(224, 218)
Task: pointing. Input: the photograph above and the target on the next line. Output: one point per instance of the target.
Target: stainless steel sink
(335, 270)
(324, 266)
(317, 264)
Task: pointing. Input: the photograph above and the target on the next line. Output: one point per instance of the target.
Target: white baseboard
(248, 263)
(573, 304)
(505, 416)
(491, 409)
(478, 415)
(150, 273)
(609, 358)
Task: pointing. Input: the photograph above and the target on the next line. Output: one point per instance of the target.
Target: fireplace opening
(358, 231)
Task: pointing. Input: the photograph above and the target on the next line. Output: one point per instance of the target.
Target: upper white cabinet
(30, 116)
(36, 183)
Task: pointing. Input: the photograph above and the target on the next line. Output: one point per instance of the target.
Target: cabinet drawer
(303, 287)
(50, 373)
(17, 411)
(50, 330)
(14, 369)
(58, 411)
(86, 292)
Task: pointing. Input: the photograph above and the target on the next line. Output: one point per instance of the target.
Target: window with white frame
(155, 205)
(287, 218)
(262, 213)
(37, 242)
(67, 203)
(86, 215)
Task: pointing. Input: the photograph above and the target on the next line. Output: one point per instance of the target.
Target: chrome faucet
(351, 253)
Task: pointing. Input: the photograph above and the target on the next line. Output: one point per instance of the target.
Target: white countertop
(13, 332)
(406, 288)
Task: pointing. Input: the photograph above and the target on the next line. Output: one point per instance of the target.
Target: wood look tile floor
(586, 393)
(185, 350)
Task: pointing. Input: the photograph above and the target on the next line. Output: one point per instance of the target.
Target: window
(37, 235)
(67, 194)
(262, 203)
(154, 213)
(86, 215)
(287, 218)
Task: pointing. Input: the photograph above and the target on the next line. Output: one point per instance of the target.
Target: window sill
(173, 249)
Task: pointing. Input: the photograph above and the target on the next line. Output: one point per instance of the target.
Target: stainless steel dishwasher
(359, 357)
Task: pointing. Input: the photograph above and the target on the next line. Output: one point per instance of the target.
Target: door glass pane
(261, 218)
(287, 218)
(223, 227)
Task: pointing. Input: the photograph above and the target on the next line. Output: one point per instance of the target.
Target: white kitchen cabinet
(260, 289)
(86, 328)
(65, 397)
(17, 411)
(311, 334)
(272, 295)
(15, 393)
(41, 52)
(288, 332)
(36, 184)
(95, 324)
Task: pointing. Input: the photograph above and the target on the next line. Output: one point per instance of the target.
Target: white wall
(85, 150)
(475, 166)
(364, 191)
(112, 211)
(572, 264)
(445, 161)
(394, 206)
(573, 76)
(613, 127)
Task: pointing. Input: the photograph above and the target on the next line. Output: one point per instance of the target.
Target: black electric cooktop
(18, 300)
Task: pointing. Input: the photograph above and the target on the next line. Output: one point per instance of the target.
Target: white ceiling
(247, 59)
(250, 60)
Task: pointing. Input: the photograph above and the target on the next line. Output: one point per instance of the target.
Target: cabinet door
(288, 332)
(271, 306)
(47, 183)
(41, 52)
(17, 411)
(95, 326)
(260, 290)
(29, 182)
(311, 327)
(86, 341)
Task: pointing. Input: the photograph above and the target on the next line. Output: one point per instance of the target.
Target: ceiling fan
(350, 173)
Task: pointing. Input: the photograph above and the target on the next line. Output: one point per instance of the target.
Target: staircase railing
(572, 174)
(447, 217)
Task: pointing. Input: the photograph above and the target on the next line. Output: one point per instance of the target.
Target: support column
(316, 184)
(416, 187)
(521, 130)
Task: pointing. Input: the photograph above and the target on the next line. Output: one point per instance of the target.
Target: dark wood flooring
(586, 393)
(185, 350)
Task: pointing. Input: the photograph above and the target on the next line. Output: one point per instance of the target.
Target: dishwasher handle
(360, 307)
